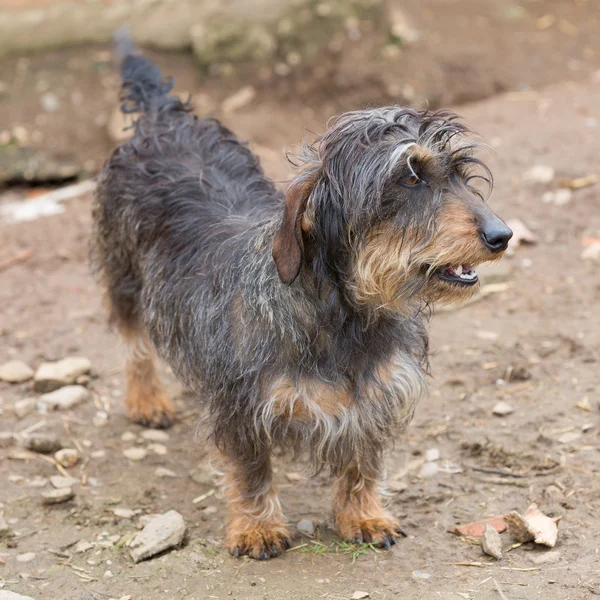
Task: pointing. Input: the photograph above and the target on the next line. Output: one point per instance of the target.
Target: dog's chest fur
(363, 407)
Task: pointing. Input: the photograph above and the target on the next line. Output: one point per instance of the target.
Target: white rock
(241, 98)
(25, 558)
(67, 457)
(306, 526)
(15, 371)
(24, 407)
(82, 546)
(491, 543)
(429, 469)
(100, 418)
(432, 454)
(128, 436)
(154, 435)
(124, 513)
(159, 449)
(502, 409)
(358, 595)
(135, 453)
(53, 375)
(558, 197)
(163, 532)
(65, 397)
(7, 595)
(592, 252)
(57, 496)
(58, 481)
(569, 437)
(540, 174)
(162, 472)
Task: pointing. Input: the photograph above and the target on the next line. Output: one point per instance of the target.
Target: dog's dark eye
(412, 180)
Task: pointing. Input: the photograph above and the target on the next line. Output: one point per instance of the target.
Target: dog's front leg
(358, 509)
(256, 524)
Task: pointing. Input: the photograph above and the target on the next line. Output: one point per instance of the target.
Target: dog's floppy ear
(288, 246)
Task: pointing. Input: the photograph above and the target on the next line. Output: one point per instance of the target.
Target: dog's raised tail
(143, 88)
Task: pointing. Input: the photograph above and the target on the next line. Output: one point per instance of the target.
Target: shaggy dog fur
(295, 317)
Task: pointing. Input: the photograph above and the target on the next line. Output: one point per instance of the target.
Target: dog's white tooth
(458, 270)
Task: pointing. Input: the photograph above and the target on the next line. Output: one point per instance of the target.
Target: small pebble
(429, 469)
(44, 443)
(422, 576)
(57, 496)
(432, 454)
(161, 533)
(210, 510)
(25, 558)
(154, 435)
(67, 457)
(491, 543)
(65, 398)
(558, 197)
(98, 454)
(162, 472)
(15, 371)
(135, 453)
(570, 436)
(124, 513)
(128, 436)
(52, 375)
(502, 409)
(58, 481)
(306, 527)
(100, 418)
(82, 546)
(358, 595)
(24, 407)
(159, 449)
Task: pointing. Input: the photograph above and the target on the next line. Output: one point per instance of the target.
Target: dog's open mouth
(458, 274)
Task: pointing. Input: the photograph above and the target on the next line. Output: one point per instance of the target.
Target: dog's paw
(380, 531)
(262, 542)
(157, 415)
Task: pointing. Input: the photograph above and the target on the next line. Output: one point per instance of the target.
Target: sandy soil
(534, 344)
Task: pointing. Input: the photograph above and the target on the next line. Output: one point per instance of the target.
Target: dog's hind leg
(146, 398)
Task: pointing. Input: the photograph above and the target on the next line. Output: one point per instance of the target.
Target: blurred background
(513, 416)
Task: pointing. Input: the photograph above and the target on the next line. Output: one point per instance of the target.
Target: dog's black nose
(496, 235)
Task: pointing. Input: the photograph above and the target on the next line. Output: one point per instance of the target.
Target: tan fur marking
(293, 401)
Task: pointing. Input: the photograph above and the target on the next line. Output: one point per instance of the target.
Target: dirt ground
(533, 343)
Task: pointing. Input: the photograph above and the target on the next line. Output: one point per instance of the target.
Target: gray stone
(164, 532)
(44, 443)
(162, 472)
(7, 595)
(540, 174)
(15, 371)
(57, 496)
(545, 558)
(306, 527)
(52, 375)
(58, 481)
(24, 407)
(65, 397)
(502, 409)
(491, 543)
(82, 546)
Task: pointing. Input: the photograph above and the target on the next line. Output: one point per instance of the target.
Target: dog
(297, 318)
